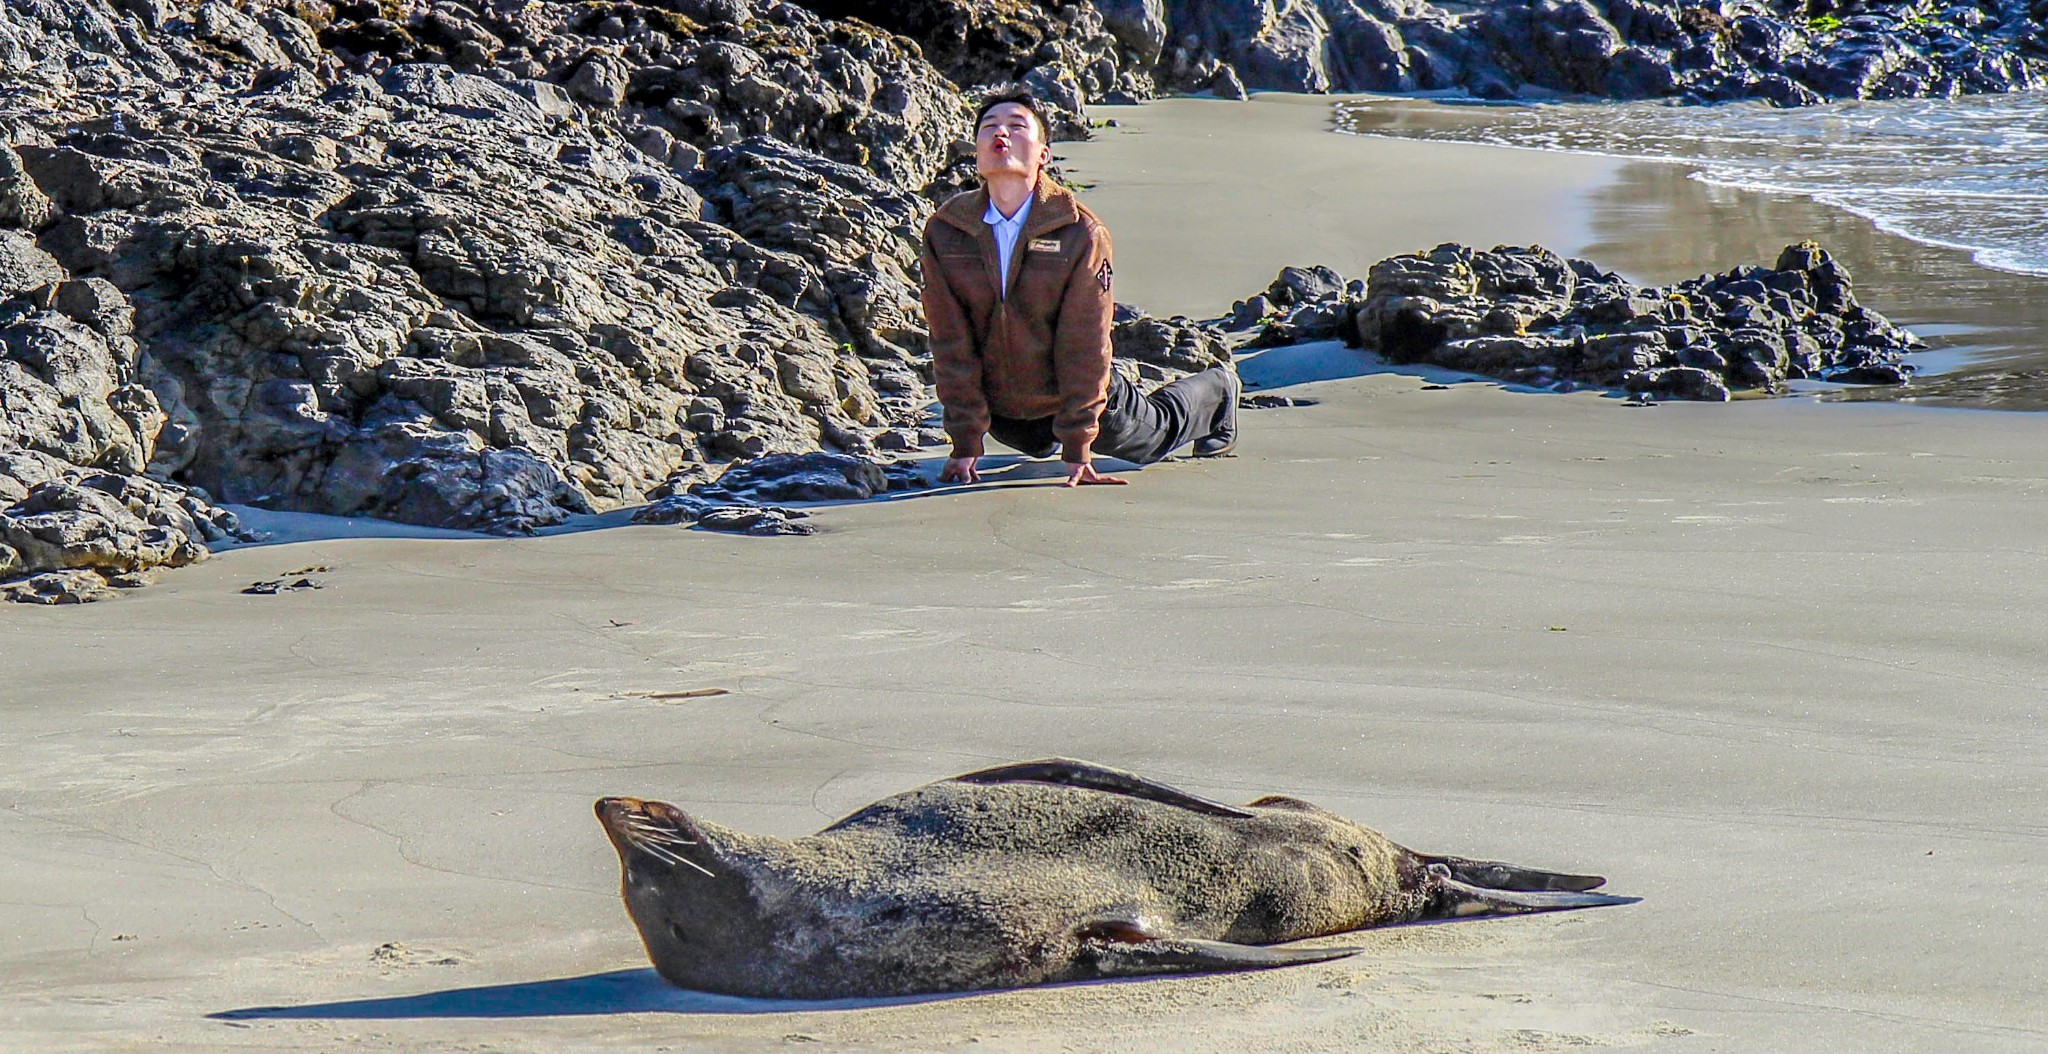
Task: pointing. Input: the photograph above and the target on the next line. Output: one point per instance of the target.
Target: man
(1017, 283)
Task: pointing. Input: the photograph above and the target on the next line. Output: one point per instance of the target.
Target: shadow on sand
(1264, 371)
(618, 992)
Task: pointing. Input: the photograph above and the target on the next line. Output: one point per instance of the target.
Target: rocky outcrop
(1533, 317)
(444, 324)
(473, 265)
(1069, 54)
(1789, 52)
(77, 426)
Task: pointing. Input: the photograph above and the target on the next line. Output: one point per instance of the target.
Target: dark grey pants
(1136, 428)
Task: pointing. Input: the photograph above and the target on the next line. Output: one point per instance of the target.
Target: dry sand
(1775, 667)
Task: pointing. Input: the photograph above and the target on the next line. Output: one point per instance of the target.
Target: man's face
(1008, 142)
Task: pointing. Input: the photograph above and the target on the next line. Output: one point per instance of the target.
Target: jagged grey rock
(442, 265)
(1529, 315)
(1165, 349)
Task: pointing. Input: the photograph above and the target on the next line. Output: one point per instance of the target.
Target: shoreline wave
(1966, 175)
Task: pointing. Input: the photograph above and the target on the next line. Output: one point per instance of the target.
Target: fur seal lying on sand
(1030, 873)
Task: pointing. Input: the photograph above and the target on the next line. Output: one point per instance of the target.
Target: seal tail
(1457, 899)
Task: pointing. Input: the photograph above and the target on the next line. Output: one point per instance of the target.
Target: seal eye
(675, 930)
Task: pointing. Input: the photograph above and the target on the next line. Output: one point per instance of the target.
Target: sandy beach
(1773, 666)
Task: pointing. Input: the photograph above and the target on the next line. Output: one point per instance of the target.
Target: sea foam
(1969, 173)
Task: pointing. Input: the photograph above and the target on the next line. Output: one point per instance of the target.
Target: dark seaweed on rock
(1531, 316)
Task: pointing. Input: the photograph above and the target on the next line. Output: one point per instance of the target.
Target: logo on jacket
(1102, 275)
(1045, 245)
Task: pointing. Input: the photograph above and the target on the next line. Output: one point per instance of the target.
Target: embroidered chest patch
(1045, 245)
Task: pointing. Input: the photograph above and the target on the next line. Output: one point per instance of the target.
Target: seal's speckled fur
(1037, 872)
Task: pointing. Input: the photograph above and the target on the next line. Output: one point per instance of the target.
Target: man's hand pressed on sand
(1079, 474)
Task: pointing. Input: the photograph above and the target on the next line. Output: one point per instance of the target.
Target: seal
(1032, 873)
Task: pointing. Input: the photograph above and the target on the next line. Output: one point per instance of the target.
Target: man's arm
(956, 363)
(1080, 348)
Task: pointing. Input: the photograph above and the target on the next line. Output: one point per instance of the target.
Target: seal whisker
(657, 852)
(669, 856)
(705, 871)
(664, 835)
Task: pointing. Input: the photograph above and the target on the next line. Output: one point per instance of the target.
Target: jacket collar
(1052, 207)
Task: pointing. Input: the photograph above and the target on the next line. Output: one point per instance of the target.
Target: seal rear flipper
(1493, 874)
(1187, 955)
(1067, 772)
(1457, 899)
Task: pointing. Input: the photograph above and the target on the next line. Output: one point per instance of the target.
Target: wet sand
(1204, 186)
(1208, 201)
(1772, 666)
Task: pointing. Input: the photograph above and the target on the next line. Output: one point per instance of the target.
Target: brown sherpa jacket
(1042, 351)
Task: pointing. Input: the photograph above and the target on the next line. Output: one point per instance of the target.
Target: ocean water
(1968, 174)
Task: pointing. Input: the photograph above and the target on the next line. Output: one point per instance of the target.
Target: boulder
(59, 587)
(1531, 316)
(1171, 347)
(71, 526)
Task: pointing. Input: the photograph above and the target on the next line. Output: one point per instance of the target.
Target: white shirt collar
(994, 216)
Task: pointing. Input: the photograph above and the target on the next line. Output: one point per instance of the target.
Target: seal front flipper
(1066, 772)
(1187, 955)
(1455, 899)
(1126, 947)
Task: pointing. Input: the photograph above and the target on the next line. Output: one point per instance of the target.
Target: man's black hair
(1021, 97)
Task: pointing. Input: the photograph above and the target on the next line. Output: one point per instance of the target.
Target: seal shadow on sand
(640, 991)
